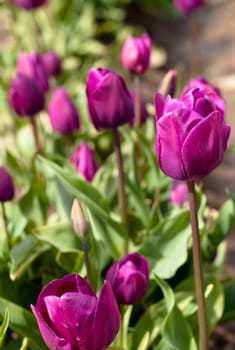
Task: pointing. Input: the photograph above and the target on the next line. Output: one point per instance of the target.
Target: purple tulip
(62, 112)
(129, 278)
(51, 63)
(135, 53)
(84, 161)
(30, 4)
(209, 89)
(188, 6)
(143, 111)
(179, 193)
(168, 83)
(30, 64)
(6, 186)
(71, 317)
(109, 101)
(26, 97)
(191, 135)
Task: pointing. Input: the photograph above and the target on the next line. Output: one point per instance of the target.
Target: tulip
(84, 161)
(209, 89)
(30, 4)
(143, 110)
(168, 83)
(135, 53)
(71, 317)
(188, 6)
(30, 64)
(129, 278)
(62, 112)
(109, 101)
(179, 193)
(6, 186)
(191, 135)
(25, 96)
(51, 63)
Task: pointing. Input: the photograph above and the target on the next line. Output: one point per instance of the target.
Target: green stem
(5, 223)
(35, 134)
(137, 103)
(198, 272)
(121, 187)
(194, 46)
(87, 260)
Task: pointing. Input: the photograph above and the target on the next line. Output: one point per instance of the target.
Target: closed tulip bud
(84, 161)
(129, 278)
(51, 63)
(26, 98)
(168, 83)
(62, 112)
(135, 53)
(109, 101)
(6, 186)
(30, 64)
(30, 4)
(188, 6)
(70, 316)
(179, 193)
(80, 224)
(143, 111)
(191, 135)
(212, 91)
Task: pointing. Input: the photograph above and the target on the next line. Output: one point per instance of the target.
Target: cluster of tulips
(191, 139)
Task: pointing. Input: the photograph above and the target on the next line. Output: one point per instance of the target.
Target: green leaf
(23, 323)
(4, 326)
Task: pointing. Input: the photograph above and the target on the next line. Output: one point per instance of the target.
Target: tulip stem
(137, 106)
(87, 260)
(5, 223)
(121, 187)
(194, 45)
(198, 271)
(36, 134)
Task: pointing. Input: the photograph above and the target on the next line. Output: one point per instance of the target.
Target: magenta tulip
(26, 97)
(84, 161)
(6, 186)
(135, 53)
(51, 63)
(188, 6)
(71, 317)
(179, 193)
(30, 64)
(129, 278)
(191, 135)
(30, 4)
(62, 112)
(109, 101)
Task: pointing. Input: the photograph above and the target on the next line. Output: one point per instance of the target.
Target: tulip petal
(203, 148)
(51, 339)
(132, 289)
(106, 320)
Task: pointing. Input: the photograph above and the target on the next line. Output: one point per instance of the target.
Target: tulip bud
(6, 186)
(80, 224)
(168, 83)
(25, 96)
(84, 161)
(51, 63)
(31, 65)
(188, 6)
(109, 101)
(191, 135)
(62, 112)
(129, 278)
(179, 193)
(70, 316)
(135, 53)
(30, 4)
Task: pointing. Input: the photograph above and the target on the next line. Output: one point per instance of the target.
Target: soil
(216, 27)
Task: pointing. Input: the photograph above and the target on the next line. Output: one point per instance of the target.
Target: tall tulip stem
(137, 106)
(121, 186)
(36, 134)
(87, 260)
(194, 45)
(198, 272)
(5, 223)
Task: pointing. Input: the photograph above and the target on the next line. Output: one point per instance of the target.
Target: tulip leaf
(4, 326)
(166, 246)
(23, 323)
